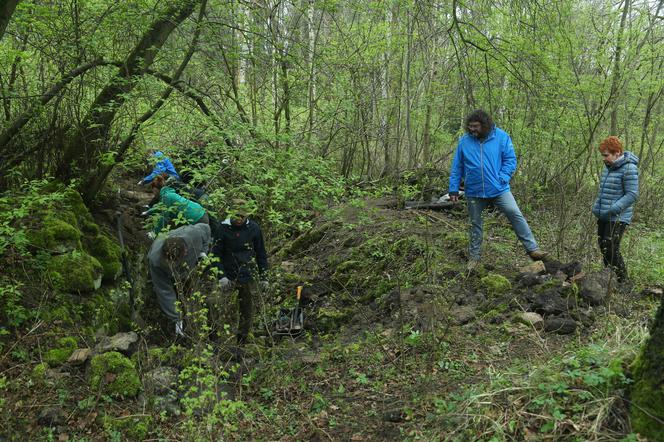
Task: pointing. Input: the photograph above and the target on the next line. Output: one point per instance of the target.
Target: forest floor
(400, 343)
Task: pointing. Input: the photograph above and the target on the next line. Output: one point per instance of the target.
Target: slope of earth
(400, 343)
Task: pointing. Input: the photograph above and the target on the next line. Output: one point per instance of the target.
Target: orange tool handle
(299, 292)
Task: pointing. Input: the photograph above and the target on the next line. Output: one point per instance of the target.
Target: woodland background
(315, 109)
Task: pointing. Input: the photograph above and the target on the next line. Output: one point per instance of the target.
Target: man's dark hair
(482, 117)
(174, 249)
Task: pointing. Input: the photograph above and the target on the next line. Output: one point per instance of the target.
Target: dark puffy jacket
(240, 250)
(618, 190)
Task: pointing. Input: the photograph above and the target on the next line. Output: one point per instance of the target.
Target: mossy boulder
(115, 375)
(59, 355)
(75, 271)
(135, 427)
(495, 284)
(108, 253)
(56, 233)
(77, 207)
(647, 392)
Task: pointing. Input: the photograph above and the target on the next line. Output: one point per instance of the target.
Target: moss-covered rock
(77, 207)
(495, 284)
(647, 393)
(75, 272)
(108, 253)
(115, 375)
(59, 355)
(55, 233)
(134, 428)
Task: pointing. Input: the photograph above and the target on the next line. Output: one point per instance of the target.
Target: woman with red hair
(618, 190)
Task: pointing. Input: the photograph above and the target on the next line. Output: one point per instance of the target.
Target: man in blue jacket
(485, 161)
(618, 190)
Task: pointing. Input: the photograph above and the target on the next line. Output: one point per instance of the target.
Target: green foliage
(12, 313)
(59, 355)
(115, 375)
(290, 186)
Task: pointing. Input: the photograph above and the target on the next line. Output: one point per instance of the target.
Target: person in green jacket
(173, 208)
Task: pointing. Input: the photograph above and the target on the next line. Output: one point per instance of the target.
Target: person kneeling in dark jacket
(239, 245)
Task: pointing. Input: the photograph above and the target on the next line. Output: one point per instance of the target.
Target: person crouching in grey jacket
(618, 190)
(172, 259)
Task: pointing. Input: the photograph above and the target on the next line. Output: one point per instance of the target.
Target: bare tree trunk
(7, 8)
(617, 71)
(95, 183)
(410, 146)
(311, 58)
(385, 94)
(91, 140)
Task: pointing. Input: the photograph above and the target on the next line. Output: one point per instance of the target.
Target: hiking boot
(537, 255)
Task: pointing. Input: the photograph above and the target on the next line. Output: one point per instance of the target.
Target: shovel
(291, 321)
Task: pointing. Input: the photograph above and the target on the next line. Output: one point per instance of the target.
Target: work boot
(537, 255)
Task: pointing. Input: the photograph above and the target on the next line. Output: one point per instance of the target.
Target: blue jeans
(507, 204)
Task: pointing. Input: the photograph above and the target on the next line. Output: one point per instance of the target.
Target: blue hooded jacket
(618, 190)
(163, 165)
(486, 166)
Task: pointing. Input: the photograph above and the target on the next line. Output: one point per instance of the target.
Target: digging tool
(135, 317)
(291, 321)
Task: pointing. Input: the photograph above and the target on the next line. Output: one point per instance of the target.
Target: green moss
(74, 272)
(39, 373)
(75, 204)
(55, 233)
(330, 319)
(347, 266)
(90, 228)
(62, 314)
(59, 355)
(108, 253)
(132, 427)
(495, 284)
(553, 283)
(114, 374)
(647, 392)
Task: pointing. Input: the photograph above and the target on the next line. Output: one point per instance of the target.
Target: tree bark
(82, 153)
(617, 71)
(96, 181)
(647, 395)
(6, 11)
